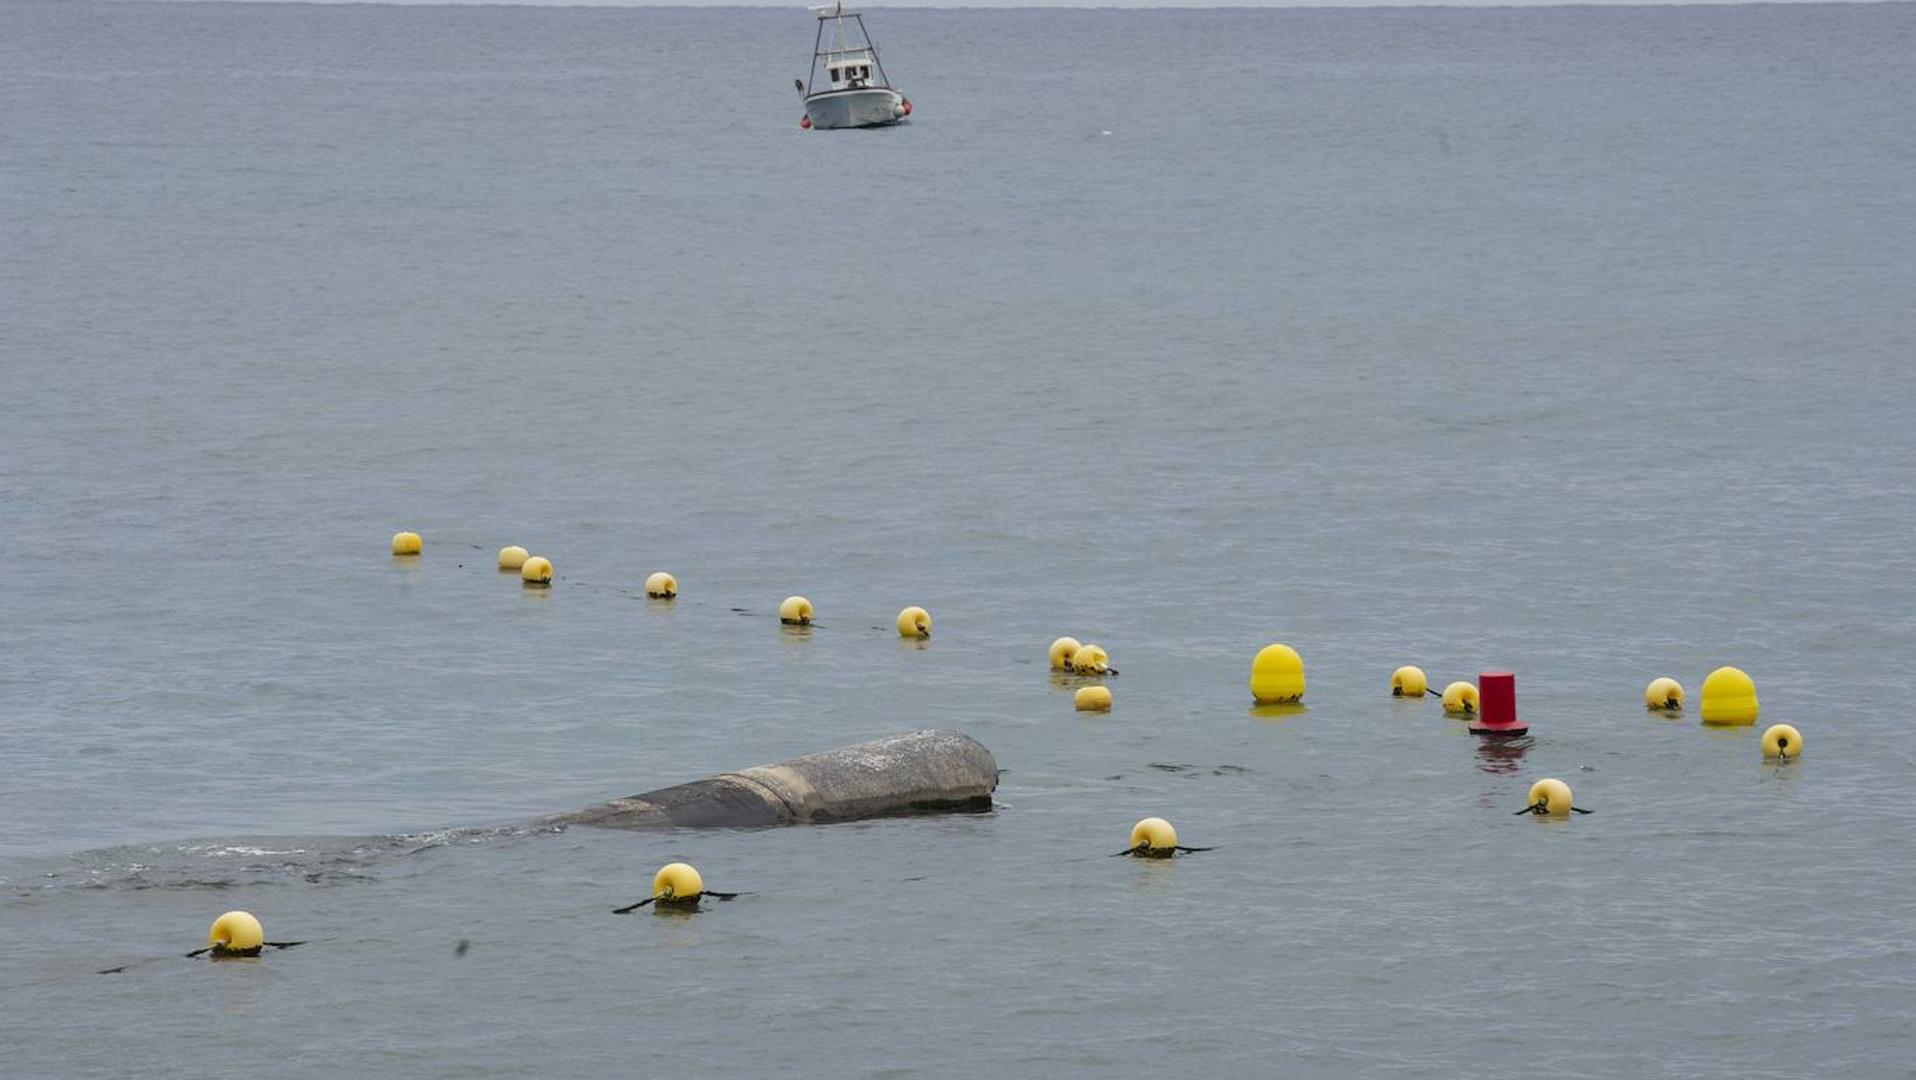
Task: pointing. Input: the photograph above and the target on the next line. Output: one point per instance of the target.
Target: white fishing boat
(855, 92)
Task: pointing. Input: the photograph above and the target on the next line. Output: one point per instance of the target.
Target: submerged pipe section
(920, 772)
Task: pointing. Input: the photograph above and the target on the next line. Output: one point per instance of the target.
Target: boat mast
(836, 13)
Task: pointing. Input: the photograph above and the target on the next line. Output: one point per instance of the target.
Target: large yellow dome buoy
(236, 933)
(914, 622)
(512, 557)
(1460, 699)
(1782, 741)
(406, 543)
(1729, 697)
(1092, 699)
(1153, 838)
(1090, 660)
(795, 611)
(1548, 797)
(677, 885)
(1663, 693)
(1277, 675)
(1062, 650)
(536, 570)
(661, 586)
(1408, 681)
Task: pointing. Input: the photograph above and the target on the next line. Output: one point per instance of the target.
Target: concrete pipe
(921, 772)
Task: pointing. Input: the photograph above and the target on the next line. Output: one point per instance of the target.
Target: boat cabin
(849, 70)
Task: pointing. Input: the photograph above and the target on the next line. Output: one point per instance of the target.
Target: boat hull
(872, 107)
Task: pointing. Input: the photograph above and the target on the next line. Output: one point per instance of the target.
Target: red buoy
(1497, 705)
(805, 121)
(907, 102)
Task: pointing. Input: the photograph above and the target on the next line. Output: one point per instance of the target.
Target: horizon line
(1047, 5)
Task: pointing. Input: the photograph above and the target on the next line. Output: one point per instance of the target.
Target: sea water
(1574, 341)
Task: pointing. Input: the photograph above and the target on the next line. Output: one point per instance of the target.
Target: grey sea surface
(1572, 341)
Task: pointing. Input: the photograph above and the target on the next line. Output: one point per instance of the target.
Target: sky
(862, 5)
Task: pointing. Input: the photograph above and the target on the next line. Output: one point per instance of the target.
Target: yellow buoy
(1090, 660)
(1729, 697)
(1553, 795)
(236, 933)
(1663, 693)
(1092, 699)
(1782, 741)
(536, 570)
(1460, 699)
(1062, 650)
(914, 622)
(795, 611)
(406, 543)
(1408, 681)
(513, 557)
(677, 885)
(1154, 838)
(1277, 675)
(661, 586)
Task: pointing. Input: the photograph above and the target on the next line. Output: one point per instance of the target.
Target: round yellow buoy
(677, 885)
(1062, 650)
(1663, 693)
(795, 611)
(536, 570)
(661, 586)
(406, 543)
(914, 622)
(236, 933)
(1277, 675)
(1092, 699)
(1090, 660)
(1782, 741)
(1553, 794)
(513, 557)
(1408, 681)
(1154, 838)
(1729, 697)
(1460, 699)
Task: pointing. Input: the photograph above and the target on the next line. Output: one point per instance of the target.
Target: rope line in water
(630, 908)
(210, 948)
(1141, 848)
(1542, 806)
